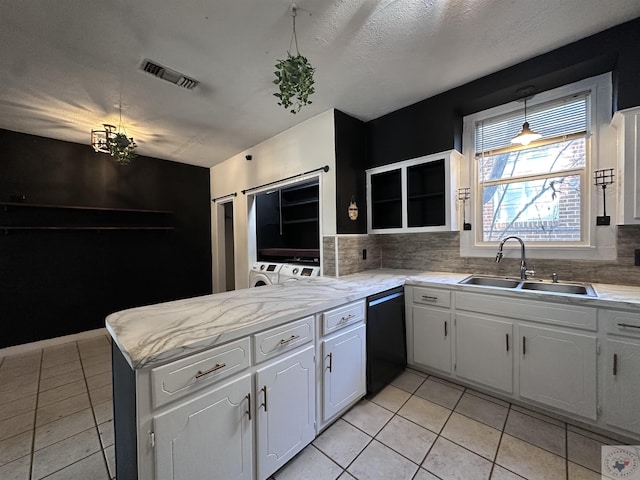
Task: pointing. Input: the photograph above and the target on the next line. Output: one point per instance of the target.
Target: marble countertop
(156, 334)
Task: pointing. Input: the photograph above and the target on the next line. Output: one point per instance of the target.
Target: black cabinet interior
(288, 224)
(426, 194)
(386, 199)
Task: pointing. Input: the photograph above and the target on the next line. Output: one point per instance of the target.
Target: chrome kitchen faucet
(523, 262)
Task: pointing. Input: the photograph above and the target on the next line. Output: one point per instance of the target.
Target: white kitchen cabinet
(627, 123)
(430, 338)
(416, 195)
(208, 436)
(484, 350)
(622, 392)
(285, 409)
(344, 371)
(559, 368)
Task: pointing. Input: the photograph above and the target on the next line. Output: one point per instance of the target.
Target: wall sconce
(464, 194)
(100, 139)
(602, 178)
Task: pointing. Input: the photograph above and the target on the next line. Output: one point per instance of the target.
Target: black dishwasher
(386, 338)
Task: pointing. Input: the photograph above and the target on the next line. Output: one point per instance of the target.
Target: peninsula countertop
(156, 334)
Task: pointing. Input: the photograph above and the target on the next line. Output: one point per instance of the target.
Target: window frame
(601, 153)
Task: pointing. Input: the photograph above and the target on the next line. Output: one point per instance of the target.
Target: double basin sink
(582, 289)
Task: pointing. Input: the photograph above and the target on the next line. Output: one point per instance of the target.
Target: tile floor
(56, 422)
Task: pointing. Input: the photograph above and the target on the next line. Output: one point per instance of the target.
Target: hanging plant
(122, 148)
(294, 76)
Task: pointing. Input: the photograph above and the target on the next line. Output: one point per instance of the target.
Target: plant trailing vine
(294, 75)
(121, 147)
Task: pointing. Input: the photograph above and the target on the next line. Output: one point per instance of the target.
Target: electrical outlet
(364, 253)
(636, 257)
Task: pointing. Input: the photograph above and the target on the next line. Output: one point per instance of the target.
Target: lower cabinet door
(484, 351)
(622, 393)
(207, 437)
(432, 337)
(285, 410)
(559, 368)
(344, 372)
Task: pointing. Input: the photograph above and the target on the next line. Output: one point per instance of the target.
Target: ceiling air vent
(169, 75)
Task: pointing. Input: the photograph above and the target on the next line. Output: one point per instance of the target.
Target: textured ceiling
(66, 65)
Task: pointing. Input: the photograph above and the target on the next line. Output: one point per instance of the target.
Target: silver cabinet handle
(429, 298)
(290, 339)
(217, 366)
(628, 325)
(330, 362)
(248, 397)
(264, 390)
(346, 319)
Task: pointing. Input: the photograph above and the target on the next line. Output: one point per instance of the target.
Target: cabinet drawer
(181, 377)
(283, 338)
(337, 318)
(432, 296)
(620, 323)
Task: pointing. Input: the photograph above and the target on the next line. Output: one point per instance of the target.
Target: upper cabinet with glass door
(416, 195)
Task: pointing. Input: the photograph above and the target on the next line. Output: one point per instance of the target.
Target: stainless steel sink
(583, 289)
(499, 282)
(571, 288)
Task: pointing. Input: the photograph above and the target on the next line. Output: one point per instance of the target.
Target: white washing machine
(264, 273)
(297, 271)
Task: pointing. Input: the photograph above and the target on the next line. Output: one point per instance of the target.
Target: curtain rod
(234, 194)
(325, 168)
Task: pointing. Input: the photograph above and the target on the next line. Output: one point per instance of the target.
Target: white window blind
(554, 120)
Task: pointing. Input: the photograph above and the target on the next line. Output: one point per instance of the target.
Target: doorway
(226, 250)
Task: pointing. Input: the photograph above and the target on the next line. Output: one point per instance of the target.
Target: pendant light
(526, 135)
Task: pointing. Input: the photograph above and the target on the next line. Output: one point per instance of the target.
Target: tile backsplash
(440, 252)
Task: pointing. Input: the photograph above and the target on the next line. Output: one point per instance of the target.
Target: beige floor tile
(378, 462)
(424, 475)
(60, 369)
(438, 392)
(500, 473)
(530, 461)
(368, 417)
(59, 380)
(537, 432)
(473, 435)
(15, 447)
(407, 438)
(425, 413)
(102, 358)
(408, 381)
(446, 382)
(110, 455)
(346, 476)
(450, 461)
(310, 464)
(92, 467)
(60, 393)
(539, 416)
(16, 470)
(577, 472)
(596, 436)
(22, 405)
(17, 389)
(59, 455)
(100, 380)
(482, 410)
(52, 359)
(391, 398)
(12, 374)
(584, 451)
(103, 411)
(91, 370)
(487, 397)
(416, 372)
(58, 410)
(342, 442)
(65, 427)
(17, 424)
(101, 395)
(106, 433)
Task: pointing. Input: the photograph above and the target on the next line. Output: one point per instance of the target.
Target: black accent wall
(58, 282)
(435, 124)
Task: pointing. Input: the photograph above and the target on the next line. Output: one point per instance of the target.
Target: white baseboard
(50, 342)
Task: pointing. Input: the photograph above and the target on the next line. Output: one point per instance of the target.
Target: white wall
(304, 147)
